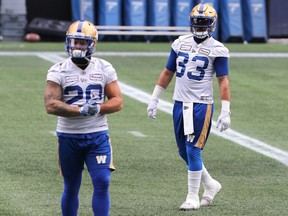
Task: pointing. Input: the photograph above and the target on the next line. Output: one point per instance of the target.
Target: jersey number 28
(90, 90)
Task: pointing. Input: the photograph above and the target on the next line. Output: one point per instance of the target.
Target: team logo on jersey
(96, 77)
(206, 98)
(185, 47)
(73, 78)
(101, 159)
(204, 51)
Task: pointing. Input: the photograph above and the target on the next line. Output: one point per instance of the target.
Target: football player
(194, 59)
(81, 90)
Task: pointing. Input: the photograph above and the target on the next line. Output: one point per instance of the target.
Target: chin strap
(89, 60)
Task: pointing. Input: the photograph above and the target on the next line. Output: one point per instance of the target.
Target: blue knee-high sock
(70, 200)
(101, 200)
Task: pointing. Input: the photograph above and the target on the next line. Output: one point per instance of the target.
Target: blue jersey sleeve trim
(221, 66)
(171, 63)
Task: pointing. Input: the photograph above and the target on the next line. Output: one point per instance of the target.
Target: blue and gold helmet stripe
(80, 25)
(201, 8)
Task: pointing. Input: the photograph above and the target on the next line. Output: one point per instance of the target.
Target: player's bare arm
(165, 78)
(163, 81)
(54, 104)
(115, 100)
(223, 121)
(224, 87)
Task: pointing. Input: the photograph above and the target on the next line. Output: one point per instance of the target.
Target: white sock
(194, 180)
(205, 178)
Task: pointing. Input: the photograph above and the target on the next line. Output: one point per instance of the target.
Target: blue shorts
(202, 120)
(92, 149)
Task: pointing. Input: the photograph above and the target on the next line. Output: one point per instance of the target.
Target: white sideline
(231, 135)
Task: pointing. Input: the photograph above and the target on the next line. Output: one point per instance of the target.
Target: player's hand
(224, 120)
(90, 108)
(152, 108)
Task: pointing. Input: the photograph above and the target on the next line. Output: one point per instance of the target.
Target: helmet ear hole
(78, 31)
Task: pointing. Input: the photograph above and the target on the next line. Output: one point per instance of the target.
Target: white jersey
(194, 68)
(79, 86)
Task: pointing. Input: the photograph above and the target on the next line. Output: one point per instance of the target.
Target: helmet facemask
(79, 46)
(202, 27)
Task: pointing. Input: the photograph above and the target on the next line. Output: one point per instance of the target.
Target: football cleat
(81, 39)
(191, 203)
(210, 191)
(203, 18)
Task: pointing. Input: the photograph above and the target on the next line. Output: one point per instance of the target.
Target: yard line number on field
(132, 92)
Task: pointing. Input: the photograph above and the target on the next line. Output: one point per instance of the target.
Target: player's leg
(211, 187)
(69, 199)
(71, 162)
(99, 163)
(191, 156)
(179, 131)
(194, 178)
(202, 115)
(101, 198)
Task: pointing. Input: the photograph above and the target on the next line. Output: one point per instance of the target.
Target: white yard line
(137, 133)
(146, 54)
(231, 135)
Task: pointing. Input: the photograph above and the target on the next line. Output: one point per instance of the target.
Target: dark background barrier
(278, 18)
(50, 9)
(249, 21)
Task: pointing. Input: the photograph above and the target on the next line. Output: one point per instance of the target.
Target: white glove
(90, 108)
(152, 108)
(224, 120)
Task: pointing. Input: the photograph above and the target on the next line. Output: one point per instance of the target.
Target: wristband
(158, 90)
(225, 105)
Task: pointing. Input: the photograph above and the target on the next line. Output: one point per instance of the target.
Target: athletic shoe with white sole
(210, 191)
(191, 203)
